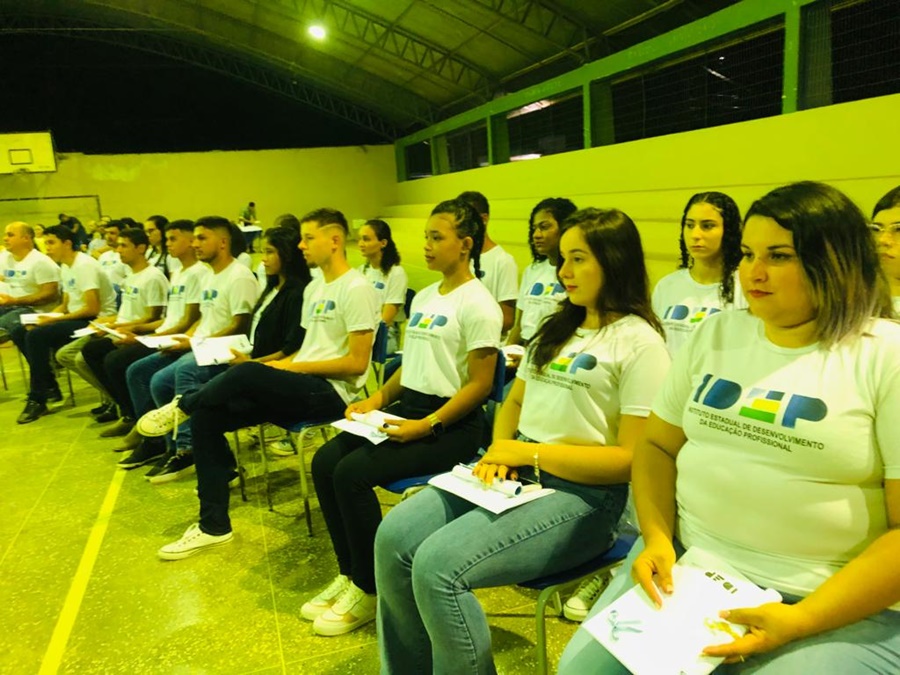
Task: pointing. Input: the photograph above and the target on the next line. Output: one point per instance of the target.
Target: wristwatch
(437, 427)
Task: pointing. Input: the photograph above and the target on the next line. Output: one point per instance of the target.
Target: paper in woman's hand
(370, 425)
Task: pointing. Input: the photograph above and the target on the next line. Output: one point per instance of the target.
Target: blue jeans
(182, 376)
(432, 550)
(9, 317)
(868, 646)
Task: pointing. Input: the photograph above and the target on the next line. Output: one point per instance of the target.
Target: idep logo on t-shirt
(573, 362)
(12, 274)
(175, 291)
(379, 285)
(322, 307)
(427, 321)
(759, 404)
(689, 314)
(209, 295)
(546, 289)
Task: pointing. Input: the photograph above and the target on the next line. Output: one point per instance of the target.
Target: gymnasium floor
(83, 592)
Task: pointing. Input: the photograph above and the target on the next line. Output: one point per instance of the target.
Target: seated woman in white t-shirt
(449, 358)
(885, 227)
(773, 446)
(382, 268)
(710, 243)
(540, 291)
(576, 411)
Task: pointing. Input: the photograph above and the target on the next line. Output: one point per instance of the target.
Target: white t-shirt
(85, 275)
(185, 289)
(441, 332)
(257, 315)
(232, 291)
(25, 277)
(787, 449)
(147, 288)
(682, 304)
(501, 275)
(245, 260)
(539, 296)
(113, 267)
(261, 277)
(597, 377)
(390, 288)
(330, 313)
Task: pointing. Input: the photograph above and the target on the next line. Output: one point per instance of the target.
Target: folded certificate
(368, 425)
(669, 641)
(159, 341)
(84, 332)
(106, 329)
(214, 351)
(496, 498)
(32, 319)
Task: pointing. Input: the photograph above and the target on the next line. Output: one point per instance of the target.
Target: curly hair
(468, 224)
(731, 238)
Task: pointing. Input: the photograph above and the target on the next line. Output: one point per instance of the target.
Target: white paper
(160, 341)
(84, 332)
(106, 329)
(669, 641)
(369, 425)
(480, 494)
(213, 351)
(32, 318)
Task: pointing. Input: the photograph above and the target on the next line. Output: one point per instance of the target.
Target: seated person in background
(433, 550)
(81, 236)
(448, 368)
(275, 330)
(239, 247)
(182, 310)
(885, 227)
(144, 294)
(498, 268)
(806, 500)
(97, 240)
(39, 238)
(157, 255)
(340, 313)
(29, 279)
(382, 268)
(706, 283)
(226, 304)
(87, 294)
(109, 260)
(540, 291)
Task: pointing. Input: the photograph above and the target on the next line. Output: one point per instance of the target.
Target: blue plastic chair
(551, 586)
(379, 355)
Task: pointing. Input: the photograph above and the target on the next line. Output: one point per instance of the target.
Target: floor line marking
(66, 621)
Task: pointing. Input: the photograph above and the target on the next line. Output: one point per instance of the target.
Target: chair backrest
(499, 385)
(379, 345)
(407, 306)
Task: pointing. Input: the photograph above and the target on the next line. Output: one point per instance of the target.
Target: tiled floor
(81, 589)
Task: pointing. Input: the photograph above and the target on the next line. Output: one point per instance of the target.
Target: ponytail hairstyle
(731, 238)
(468, 224)
(560, 208)
(390, 256)
(616, 244)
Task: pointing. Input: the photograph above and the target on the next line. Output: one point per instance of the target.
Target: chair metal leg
(71, 390)
(265, 464)
(3, 373)
(540, 625)
(240, 468)
(304, 482)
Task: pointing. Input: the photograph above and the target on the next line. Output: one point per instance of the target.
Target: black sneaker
(111, 414)
(100, 409)
(159, 466)
(55, 396)
(182, 464)
(144, 454)
(32, 411)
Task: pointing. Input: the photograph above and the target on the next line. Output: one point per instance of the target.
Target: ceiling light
(317, 31)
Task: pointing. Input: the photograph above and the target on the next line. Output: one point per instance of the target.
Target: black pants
(346, 469)
(109, 363)
(242, 396)
(38, 345)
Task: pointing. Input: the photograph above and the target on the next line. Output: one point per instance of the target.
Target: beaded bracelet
(537, 467)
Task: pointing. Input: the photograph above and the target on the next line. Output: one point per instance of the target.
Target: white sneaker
(281, 448)
(192, 541)
(578, 606)
(161, 421)
(353, 609)
(314, 608)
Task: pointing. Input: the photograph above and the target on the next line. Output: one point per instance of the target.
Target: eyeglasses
(877, 230)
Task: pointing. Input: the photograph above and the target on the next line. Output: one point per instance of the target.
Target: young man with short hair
(340, 314)
(87, 294)
(226, 303)
(29, 280)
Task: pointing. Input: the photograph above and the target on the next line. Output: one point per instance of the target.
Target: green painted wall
(853, 146)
